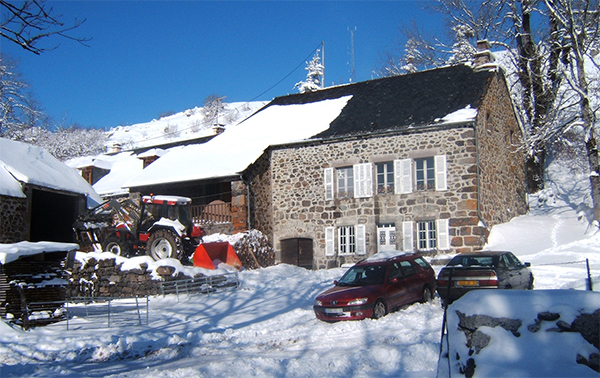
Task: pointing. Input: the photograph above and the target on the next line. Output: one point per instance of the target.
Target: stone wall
(503, 187)
(104, 278)
(13, 215)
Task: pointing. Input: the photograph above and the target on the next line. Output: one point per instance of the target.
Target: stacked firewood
(254, 250)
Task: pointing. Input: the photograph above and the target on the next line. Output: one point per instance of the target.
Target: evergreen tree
(314, 76)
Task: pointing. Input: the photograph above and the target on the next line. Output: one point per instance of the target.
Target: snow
(459, 116)
(267, 327)
(28, 164)
(240, 145)
(11, 252)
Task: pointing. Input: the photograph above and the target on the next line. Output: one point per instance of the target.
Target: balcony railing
(214, 212)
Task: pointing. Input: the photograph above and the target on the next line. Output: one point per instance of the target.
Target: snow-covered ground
(267, 328)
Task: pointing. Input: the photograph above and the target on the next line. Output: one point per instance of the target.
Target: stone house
(426, 162)
(40, 197)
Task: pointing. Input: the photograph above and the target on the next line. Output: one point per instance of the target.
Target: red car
(376, 286)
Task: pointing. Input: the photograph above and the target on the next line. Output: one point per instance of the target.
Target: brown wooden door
(297, 251)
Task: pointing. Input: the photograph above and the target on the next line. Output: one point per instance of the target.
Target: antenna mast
(352, 65)
(323, 63)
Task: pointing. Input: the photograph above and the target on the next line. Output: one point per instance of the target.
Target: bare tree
(29, 22)
(19, 112)
(533, 55)
(578, 22)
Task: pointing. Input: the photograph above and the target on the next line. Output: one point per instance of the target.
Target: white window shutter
(328, 184)
(329, 241)
(407, 235)
(361, 244)
(363, 180)
(403, 176)
(441, 180)
(443, 234)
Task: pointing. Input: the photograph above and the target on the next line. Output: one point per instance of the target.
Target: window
(385, 178)
(407, 268)
(350, 239)
(427, 235)
(345, 181)
(425, 173)
(429, 174)
(346, 240)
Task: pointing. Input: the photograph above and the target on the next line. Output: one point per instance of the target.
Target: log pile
(254, 250)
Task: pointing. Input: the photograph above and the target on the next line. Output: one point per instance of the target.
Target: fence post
(589, 276)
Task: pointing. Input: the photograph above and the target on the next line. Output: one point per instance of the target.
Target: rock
(548, 316)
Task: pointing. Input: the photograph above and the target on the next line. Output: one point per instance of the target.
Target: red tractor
(161, 228)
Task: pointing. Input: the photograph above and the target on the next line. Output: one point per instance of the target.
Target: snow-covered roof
(123, 166)
(12, 252)
(240, 145)
(22, 163)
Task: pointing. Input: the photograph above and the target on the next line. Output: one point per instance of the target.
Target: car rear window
(472, 261)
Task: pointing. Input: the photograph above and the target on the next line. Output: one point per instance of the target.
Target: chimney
(483, 56)
(218, 129)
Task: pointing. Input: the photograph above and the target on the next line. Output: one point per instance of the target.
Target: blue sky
(150, 57)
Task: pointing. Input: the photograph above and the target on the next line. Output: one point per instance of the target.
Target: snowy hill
(188, 124)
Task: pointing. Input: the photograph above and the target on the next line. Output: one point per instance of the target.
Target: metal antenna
(323, 64)
(352, 65)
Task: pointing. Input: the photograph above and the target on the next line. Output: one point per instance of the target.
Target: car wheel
(427, 296)
(113, 244)
(379, 310)
(163, 244)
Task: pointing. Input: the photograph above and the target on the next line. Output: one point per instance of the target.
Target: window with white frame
(426, 235)
(431, 235)
(429, 174)
(425, 173)
(346, 240)
(385, 178)
(350, 240)
(345, 182)
(399, 176)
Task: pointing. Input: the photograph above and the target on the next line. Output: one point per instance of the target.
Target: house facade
(391, 173)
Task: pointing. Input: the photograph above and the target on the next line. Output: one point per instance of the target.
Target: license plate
(467, 283)
(334, 310)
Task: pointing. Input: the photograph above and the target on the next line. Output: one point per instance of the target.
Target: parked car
(482, 270)
(376, 286)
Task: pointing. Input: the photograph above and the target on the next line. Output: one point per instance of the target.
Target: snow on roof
(123, 166)
(12, 252)
(29, 164)
(239, 146)
(461, 115)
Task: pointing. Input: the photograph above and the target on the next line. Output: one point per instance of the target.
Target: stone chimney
(483, 56)
(218, 129)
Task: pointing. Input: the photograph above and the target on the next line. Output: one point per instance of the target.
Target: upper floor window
(345, 182)
(425, 173)
(399, 177)
(385, 178)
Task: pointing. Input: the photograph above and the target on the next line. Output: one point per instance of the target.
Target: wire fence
(106, 312)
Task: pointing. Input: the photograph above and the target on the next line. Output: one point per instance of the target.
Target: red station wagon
(376, 286)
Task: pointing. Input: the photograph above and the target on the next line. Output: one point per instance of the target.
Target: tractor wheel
(164, 244)
(114, 244)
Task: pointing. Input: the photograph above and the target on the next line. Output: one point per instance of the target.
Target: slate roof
(400, 101)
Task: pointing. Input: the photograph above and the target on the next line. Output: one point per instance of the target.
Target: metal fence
(203, 285)
(88, 312)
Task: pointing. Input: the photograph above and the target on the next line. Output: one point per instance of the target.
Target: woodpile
(35, 279)
(254, 250)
